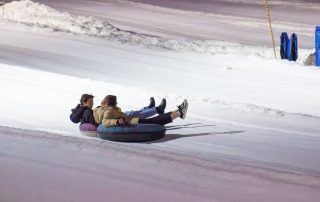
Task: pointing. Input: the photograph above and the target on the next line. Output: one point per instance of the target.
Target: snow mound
(41, 17)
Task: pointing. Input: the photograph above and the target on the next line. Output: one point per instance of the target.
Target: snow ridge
(40, 17)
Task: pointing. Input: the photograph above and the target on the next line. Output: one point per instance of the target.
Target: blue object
(132, 133)
(317, 45)
(283, 46)
(292, 48)
(289, 47)
(143, 113)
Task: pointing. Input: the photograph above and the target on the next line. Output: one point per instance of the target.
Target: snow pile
(41, 17)
(35, 14)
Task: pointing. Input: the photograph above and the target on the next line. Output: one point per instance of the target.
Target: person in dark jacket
(83, 112)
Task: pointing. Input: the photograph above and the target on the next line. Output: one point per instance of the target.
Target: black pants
(162, 119)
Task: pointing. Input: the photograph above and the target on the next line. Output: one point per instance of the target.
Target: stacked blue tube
(317, 45)
(289, 47)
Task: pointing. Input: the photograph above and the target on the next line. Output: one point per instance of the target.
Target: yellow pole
(3, 9)
(271, 32)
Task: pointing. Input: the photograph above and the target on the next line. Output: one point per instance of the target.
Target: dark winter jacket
(77, 113)
(82, 114)
(87, 117)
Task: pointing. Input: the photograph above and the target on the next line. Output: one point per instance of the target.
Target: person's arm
(77, 113)
(112, 118)
(127, 119)
(119, 114)
(109, 119)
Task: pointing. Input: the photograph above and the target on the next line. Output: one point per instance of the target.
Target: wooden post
(270, 27)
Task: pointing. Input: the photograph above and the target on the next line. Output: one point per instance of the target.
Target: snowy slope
(50, 168)
(246, 108)
(222, 86)
(235, 21)
(214, 129)
(44, 18)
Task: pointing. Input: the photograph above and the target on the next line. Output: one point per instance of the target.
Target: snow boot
(152, 103)
(183, 109)
(162, 106)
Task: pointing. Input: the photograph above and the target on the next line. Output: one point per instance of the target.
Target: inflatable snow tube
(293, 48)
(88, 129)
(283, 45)
(289, 47)
(132, 133)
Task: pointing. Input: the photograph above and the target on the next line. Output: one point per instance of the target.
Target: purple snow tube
(88, 129)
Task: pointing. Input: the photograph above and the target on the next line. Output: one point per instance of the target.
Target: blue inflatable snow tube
(289, 47)
(132, 133)
(317, 46)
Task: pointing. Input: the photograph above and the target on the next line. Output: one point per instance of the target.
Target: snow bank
(41, 17)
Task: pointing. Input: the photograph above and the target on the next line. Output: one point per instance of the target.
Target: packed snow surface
(253, 118)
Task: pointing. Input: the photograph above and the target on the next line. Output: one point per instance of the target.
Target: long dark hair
(110, 100)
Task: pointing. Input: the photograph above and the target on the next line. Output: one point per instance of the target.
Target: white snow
(41, 17)
(44, 167)
(247, 109)
(234, 21)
